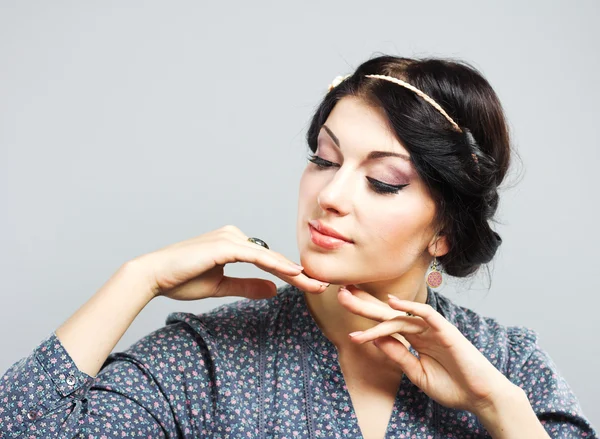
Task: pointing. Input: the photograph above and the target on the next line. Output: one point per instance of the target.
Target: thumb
(251, 288)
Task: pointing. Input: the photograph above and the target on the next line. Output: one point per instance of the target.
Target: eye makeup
(378, 186)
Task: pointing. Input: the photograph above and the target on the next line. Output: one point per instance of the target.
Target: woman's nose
(336, 195)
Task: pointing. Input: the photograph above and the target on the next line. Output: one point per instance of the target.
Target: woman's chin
(333, 275)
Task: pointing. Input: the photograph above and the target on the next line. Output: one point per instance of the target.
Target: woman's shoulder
(503, 345)
(515, 351)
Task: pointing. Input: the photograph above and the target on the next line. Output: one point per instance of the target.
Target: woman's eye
(377, 186)
(384, 188)
(321, 163)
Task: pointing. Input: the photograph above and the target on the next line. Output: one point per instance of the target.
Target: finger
(235, 251)
(356, 292)
(295, 277)
(285, 265)
(251, 288)
(365, 308)
(285, 261)
(267, 261)
(401, 325)
(304, 283)
(242, 238)
(410, 365)
(433, 318)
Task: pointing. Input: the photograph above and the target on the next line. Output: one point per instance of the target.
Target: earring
(434, 277)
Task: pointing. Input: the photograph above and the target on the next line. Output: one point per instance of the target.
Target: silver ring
(259, 242)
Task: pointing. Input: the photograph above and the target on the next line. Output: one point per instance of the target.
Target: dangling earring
(434, 277)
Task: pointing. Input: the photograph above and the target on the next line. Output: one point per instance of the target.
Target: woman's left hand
(449, 368)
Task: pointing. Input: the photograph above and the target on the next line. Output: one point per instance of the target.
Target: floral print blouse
(258, 369)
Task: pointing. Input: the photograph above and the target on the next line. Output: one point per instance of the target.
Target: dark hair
(465, 192)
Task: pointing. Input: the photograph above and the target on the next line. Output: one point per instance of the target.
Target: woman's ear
(439, 245)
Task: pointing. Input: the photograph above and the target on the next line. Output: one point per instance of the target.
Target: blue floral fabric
(258, 369)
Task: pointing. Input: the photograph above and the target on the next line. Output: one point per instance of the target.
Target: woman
(403, 175)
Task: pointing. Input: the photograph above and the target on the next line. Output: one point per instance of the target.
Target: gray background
(127, 127)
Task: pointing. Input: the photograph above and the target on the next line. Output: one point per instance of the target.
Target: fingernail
(325, 285)
(296, 266)
(354, 334)
(391, 296)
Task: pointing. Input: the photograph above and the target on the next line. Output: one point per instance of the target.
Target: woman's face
(389, 232)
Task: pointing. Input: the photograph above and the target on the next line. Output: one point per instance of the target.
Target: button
(31, 415)
(71, 380)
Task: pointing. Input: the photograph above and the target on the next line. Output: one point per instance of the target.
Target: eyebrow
(373, 154)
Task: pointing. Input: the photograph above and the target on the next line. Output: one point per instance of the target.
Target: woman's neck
(337, 322)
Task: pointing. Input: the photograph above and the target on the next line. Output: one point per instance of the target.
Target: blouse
(259, 369)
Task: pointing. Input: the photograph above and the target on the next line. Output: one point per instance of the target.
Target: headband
(339, 79)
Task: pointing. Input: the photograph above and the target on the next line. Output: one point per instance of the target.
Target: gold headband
(339, 79)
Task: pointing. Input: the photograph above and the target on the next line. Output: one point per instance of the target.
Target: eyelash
(378, 186)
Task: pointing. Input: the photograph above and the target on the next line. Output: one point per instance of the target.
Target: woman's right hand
(193, 269)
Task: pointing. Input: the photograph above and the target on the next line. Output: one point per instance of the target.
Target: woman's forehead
(356, 126)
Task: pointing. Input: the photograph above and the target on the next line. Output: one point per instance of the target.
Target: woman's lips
(325, 241)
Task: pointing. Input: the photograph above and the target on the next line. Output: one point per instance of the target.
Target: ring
(259, 242)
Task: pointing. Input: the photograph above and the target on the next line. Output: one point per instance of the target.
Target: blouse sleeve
(137, 392)
(549, 394)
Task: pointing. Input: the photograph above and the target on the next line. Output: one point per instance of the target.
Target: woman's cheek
(400, 222)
